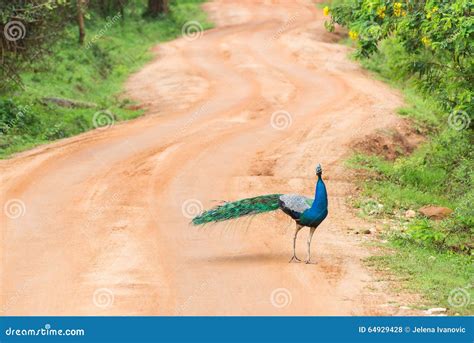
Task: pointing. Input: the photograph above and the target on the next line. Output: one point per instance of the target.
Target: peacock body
(303, 210)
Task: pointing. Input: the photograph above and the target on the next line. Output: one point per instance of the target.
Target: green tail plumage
(239, 208)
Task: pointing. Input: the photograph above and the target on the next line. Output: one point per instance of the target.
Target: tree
(157, 7)
(80, 20)
(108, 8)
(434, 39)
(27, 31)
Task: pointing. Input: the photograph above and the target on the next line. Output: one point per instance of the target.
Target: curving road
(100, 225)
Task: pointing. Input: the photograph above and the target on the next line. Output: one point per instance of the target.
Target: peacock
(303, 210)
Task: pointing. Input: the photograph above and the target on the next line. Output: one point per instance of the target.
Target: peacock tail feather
(239, 208)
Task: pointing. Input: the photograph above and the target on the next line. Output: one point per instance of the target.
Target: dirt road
(98, 224)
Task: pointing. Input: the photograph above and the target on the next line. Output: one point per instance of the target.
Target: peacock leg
(311, 232)
(298, 228)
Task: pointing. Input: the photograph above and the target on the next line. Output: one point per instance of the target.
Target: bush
(16, 118)
(27, 30)
(427, 46)
(435, 42)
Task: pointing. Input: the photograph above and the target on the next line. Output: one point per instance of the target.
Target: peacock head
(319, 170)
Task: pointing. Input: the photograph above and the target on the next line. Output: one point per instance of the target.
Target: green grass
(323, 4)
(94, 73)
(444, 279)
(435, 256)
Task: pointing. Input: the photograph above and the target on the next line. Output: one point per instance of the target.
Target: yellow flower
(353, 35)
(404, 13)
(381, 12)
(326, 11)
(426, 41)
(397, 9)
(433, 10)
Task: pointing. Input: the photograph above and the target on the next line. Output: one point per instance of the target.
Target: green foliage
(16, 118)
(27, 28)
(114, 48)
(183, 11)
(427, 46)
(438, 275)
(107, 8)
(422, 232)
(435, 42)
(441, 172)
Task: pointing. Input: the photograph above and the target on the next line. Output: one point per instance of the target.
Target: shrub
(15, 118)
(435, 42)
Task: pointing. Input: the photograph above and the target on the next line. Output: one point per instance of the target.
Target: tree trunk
(80, 20)
(122, 9)
(156, 7)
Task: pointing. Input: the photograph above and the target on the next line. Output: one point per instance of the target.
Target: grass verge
(442, 278)
(434, 256)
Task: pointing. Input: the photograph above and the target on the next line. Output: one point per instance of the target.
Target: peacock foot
(294, 258)
(309, 262)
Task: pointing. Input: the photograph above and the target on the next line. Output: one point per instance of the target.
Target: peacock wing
(294, 205)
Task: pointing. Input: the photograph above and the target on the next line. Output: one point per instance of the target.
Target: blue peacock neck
(320, 202)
